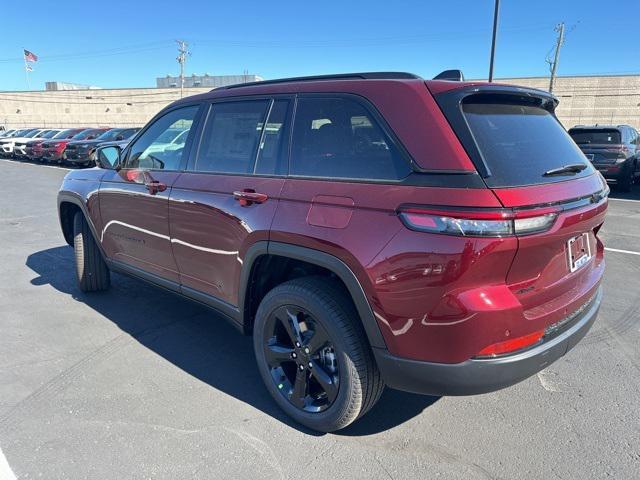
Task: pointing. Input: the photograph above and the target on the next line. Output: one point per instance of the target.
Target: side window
(231, 137)
(161, 146)
(340, 138)
(273, 154)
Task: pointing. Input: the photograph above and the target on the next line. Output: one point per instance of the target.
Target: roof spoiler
(452, 75)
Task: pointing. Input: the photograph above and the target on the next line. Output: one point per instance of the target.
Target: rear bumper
(477, 376)
(610, 172)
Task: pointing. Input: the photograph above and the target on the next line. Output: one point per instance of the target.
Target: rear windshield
(519, 142)
(600, 137)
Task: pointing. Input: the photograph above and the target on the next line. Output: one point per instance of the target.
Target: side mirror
(108, 157)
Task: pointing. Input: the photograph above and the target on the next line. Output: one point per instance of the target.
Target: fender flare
(321, 259)
(77, 200)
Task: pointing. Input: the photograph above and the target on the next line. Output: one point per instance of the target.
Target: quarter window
(162, 145)
(340, 138)
(273, 152)
(231, 137)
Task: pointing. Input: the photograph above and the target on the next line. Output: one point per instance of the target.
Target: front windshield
(64, 133)
(49, 134)
(32, 134)
(110, 134)
(84, 134)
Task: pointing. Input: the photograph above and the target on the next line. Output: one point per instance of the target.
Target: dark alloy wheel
(301, 359)
(313, 354)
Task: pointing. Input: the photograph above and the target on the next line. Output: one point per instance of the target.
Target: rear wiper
(567, 169)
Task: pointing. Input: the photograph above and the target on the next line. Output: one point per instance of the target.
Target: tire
(626, 179)
(326, 308)
(92, 272)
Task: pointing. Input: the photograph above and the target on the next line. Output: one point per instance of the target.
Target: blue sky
(129, 44)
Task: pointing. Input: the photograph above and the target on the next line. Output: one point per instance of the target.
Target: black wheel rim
(301, 359)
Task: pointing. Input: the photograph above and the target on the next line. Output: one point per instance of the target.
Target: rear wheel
(92, 272)
(313, 355)
(627, 177)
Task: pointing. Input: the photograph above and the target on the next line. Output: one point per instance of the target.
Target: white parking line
(35, 165)
(623, 200)
(621, 251)
(5, 470)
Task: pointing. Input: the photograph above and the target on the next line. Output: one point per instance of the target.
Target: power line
(96, 53)
(97, 96)
(66, 102)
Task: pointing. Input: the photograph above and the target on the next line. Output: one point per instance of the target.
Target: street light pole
(493, 40)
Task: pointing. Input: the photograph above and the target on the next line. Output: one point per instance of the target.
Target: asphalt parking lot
(137, 383)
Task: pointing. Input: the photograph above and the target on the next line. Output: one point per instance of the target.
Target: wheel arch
(264, 250)
(68, 205)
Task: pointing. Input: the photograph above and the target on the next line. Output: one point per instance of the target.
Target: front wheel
(313, 356)
(92, 272)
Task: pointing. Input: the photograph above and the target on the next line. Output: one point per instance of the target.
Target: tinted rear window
(598, 137)
(519, 142)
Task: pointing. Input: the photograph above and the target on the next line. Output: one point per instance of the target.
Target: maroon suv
(374, 229)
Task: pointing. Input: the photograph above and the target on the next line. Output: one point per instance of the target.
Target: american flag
(30, 56)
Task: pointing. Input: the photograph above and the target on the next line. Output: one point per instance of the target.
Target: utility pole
(493, 40)
(554, 65)
(182, 59)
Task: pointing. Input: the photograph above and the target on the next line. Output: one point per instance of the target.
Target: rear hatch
(535, 170)
(600, 145)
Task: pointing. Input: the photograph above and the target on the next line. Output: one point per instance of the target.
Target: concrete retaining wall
(90, 108)
(583, 100)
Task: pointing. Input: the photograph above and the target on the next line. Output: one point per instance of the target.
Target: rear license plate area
(578, 252)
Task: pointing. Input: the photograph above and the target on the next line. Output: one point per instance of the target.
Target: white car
(7, 133)
(20, 146)
(7, 144)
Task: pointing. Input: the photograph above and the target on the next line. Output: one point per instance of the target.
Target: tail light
(510, 346)
(479, 222)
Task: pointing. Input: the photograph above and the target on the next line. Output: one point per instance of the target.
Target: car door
(134, 199)
(343, 177)
(227, 198)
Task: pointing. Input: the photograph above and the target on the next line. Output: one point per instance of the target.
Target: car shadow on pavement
(200, 342)
(634, 194)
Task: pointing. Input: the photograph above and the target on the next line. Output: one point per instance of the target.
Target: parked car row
(75, 146)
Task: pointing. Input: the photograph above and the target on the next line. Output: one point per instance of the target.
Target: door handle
(154, 186)
(249, 196)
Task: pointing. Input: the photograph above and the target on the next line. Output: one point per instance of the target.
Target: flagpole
(26, 70)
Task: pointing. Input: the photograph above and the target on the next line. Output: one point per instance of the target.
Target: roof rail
(453, 75)
(338, 76)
